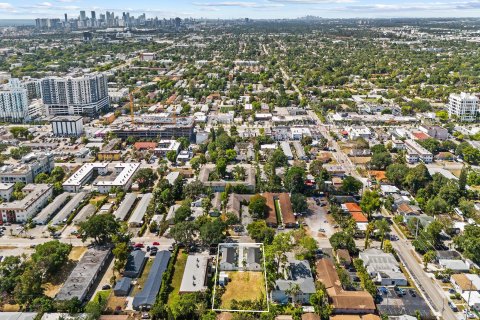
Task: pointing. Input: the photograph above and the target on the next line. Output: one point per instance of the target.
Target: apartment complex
(13, 102)
(416, 152)
(31, 165)
(123, 177)
(36, 197)
(464, 106)
(85, 95)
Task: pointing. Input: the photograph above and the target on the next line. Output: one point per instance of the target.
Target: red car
(156, 243)
(139, 245)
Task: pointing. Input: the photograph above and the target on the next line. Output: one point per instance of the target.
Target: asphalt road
(429, 288)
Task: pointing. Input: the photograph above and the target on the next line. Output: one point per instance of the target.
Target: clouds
(4, 6)
(256, 9)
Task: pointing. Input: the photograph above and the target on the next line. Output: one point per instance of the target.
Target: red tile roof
(145, 145)
(353, 207)
(420, 135)
(359, 217)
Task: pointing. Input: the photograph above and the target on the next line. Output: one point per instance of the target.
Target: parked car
(452, 306)
(106, 287)
(399, 291)
(156, 243)
(138, 245)
(321, 230)
(412, 293)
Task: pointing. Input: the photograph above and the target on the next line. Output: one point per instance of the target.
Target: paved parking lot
(318, 218)
(393, 305)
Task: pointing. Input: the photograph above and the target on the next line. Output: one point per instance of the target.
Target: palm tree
(368, 233)
(293, 291)
(383, 227)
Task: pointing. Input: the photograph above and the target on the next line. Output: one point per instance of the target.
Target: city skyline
(256, 9)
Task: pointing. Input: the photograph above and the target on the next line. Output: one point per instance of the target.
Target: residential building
(85, 95)
(13, 102)
(383, 267)
(136, 219)
(464, 106)
(164, 146)
(286, 210)
(122, 287)
(219, 185)
(84, 275)
(286, 149)
(124, 173)
(435, 132)
(67, 126)
(343, 302)
(195, 276)
(416, 152)
(6, 191)
(358, 132)
(36, 197)
(145, 299)
(135, 263)
(297, 273)
(464, 282)
(52, 208)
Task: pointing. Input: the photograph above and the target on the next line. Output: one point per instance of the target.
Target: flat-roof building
(136, 220)
(195, 275)
(67, 126)
(52, 208)
(124, 209)
(36, 198)
(84, 274)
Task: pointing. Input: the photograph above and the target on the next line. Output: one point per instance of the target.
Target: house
(383, 267)
(298, 275)
(146, 298)
(457, 266)
(229, 259)
(122, 287)
(253, 259)
(195, 276)
(406, 209)
(343, 302)
(285, 207)
(135, 263)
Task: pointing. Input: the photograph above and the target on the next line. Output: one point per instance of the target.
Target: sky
(254, 9)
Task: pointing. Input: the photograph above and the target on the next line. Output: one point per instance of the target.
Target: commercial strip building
(146, 298)
(36, 198)
(343, 302)
(173, 128)
(464, 106)
(13, 102)
(124, 177)
(85, 95)
(84, 274)
(31, 165)
(67, 126)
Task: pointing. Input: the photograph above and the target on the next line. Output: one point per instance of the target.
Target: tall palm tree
(383, 227)
(368, 233)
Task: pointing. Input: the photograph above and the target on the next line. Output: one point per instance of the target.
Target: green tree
(183, 213)
(145, 178)
(428, 257)
(295, 180)
(383, 227)
(350, 185)
(396, 173)
(50, 256)
(183, 232)
(212, 233)
(299, 202)
(100, 227)
(343, 240)
(257, 206)
(172, 156)
(370, 202)
(319, 301)
(260, 232)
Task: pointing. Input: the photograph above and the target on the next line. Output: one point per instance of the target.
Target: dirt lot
(77, 253)
(243, 285)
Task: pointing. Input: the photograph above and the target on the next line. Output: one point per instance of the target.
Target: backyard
(249, 285)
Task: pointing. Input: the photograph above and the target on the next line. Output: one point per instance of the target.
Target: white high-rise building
(85, 95)
(13, 102)
(464, 106)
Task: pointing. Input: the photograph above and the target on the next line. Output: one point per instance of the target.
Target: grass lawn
(243, 285)
(141, 281)
(278, 212)
(177, 276)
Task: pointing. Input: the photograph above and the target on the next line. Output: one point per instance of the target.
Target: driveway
(318, 218)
